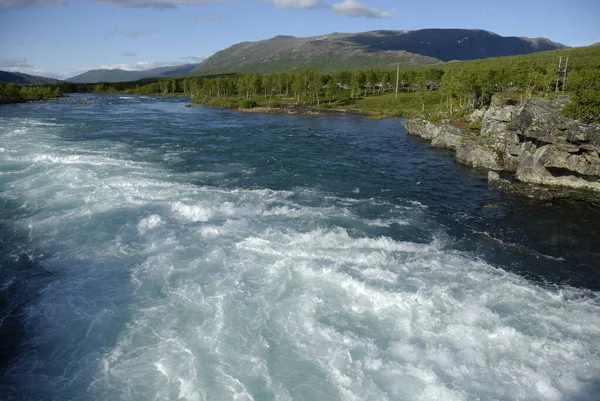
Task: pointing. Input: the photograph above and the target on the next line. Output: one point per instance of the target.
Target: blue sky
(61, 38)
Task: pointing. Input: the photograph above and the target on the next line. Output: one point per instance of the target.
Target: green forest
(13, 93)
(447, 90)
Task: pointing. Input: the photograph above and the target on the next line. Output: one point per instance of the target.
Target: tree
(371, 79)
(331, 89)
(358, 81)
(316, 84)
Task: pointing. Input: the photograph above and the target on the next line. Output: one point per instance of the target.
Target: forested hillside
(25, 79)
(118, 75)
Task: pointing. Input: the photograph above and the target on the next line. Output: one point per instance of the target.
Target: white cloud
(140, 34)
(296, 3)
(31, 3)
(14, 63)
(156, 3)
(353, 8)
(137, 66)
(193, 59)
(28, 69)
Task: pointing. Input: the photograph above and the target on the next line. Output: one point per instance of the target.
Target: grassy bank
(385, 105)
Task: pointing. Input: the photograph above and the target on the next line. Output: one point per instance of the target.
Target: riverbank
(374, 106)
(533, 144)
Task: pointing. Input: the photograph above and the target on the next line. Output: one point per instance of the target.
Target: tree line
(13, 93)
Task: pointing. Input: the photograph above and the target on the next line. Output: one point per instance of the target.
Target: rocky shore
(546, 152)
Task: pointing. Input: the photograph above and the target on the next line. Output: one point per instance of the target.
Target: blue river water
(151, 251)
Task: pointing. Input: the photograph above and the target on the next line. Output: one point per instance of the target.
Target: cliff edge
(534, 141)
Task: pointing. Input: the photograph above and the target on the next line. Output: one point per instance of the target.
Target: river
(151, 251)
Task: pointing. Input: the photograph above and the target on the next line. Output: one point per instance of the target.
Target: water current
(151, 251)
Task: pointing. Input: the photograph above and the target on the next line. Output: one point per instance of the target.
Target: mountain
(25, 79)
(343, 51)
(117, 75)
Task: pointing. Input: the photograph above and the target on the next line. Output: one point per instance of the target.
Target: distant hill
(117, 75)
(374, 49)
(25, 79)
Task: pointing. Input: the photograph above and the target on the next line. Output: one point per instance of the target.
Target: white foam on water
(164, 289)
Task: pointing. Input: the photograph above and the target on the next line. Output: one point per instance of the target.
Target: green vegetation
(585, 102)
(448, 90)
(248, 104)
(13, 93)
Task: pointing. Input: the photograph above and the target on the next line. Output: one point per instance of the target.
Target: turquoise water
(155, 252)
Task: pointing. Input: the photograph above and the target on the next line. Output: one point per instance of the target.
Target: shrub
(475, 126)
(248, 104)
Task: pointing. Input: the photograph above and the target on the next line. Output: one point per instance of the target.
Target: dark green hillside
(25, 79)
(452, 44)
(117, 75)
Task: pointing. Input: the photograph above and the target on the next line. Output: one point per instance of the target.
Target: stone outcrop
(534, 141)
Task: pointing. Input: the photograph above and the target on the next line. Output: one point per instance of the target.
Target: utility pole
(397, 79)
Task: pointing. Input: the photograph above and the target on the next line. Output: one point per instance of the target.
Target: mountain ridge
(372, 49)
(26, 79)
(120, 75)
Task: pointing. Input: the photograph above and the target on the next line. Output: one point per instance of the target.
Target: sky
(63, 38)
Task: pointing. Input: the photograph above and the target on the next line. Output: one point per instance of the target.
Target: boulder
(538, 119)
(475, 153)
(448, 137)
(585, 164)
(476, 115)
(425, 129)
(441, 135)
(566, 170)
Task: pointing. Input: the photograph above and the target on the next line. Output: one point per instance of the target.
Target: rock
(579, 133)
(534, 141)
(585, 164)
(503, 114)
(449, 137)
(476, 115)
(538, 119)
(569, 171)
(529, 168)
(476, 154)
(567, 147)
(441, 135)
(424, 129)
(528, 190)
